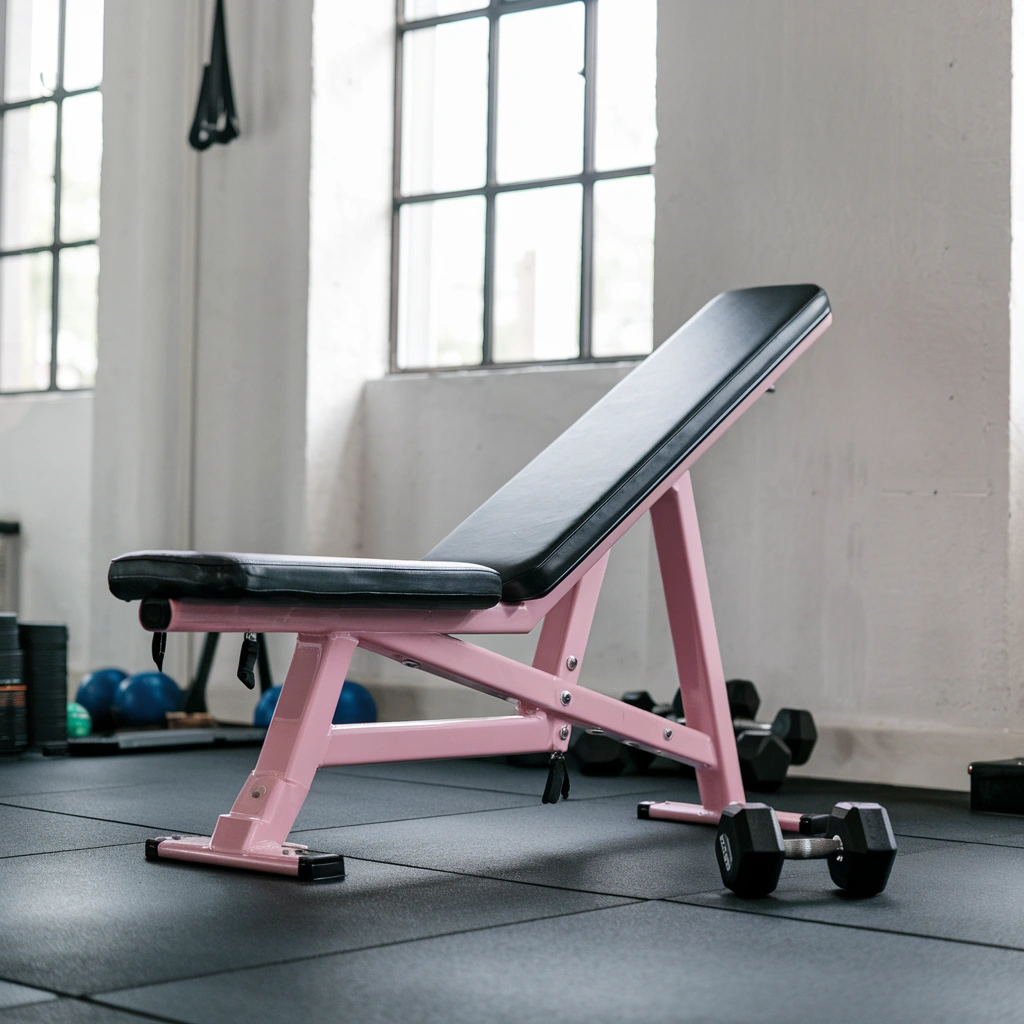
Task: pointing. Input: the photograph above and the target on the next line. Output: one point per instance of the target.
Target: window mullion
(487, 352)
(396, 185)
(587, 239)
(55, 269)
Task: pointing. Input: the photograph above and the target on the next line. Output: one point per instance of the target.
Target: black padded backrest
(554, 512)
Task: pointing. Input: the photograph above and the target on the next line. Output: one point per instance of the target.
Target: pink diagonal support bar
(454, 737)
(701, 679)
(492, 673)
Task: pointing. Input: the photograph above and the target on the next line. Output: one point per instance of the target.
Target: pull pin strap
(247, 660)
(159, 646)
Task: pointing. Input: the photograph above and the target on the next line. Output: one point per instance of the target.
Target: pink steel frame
(301, 737)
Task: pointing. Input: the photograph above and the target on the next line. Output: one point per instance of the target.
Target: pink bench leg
(699, 662)
(253, 835)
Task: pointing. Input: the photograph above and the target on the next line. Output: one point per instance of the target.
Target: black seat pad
(296, 580)
(553, 513)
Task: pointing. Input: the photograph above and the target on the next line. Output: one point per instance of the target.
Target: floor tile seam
(77, 997)
(477, 789)
(629, 897)
(318, 828)
(689, 901)
(453, 814)
(1018, 845)
(73, 849)
(130, 1011)
(284, 962)
(85, 817)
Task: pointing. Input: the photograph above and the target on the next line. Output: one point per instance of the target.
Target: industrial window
(523, 224)
(51, 117)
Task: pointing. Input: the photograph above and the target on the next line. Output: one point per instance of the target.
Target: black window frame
(493, 10)
(58, 96)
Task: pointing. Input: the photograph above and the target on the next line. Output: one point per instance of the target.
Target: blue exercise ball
(145, 698)
(265, 707)
(96, 694)
(354, 705)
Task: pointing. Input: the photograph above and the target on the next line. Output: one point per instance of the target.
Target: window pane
(444, 107)
(26, 176)
(81, 150)
(540, 93)
(25, 322)
(30, 53)
(429, 8)
(440, 279)
(537, 274)
(83, 44)
(626, 129)
(623, 266)
(76, 317)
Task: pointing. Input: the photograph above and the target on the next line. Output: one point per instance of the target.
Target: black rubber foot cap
(643, 809)
(316, 867)
(153, 848)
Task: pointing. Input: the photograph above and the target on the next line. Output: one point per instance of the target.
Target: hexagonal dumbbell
(858, 844)
(795, 727)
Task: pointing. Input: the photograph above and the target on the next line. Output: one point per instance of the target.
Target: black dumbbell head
(869, 848)
(677, 704)
(797, 730)
(750, 849)
(764, 760)
(744, 699)
(598, 754)
(639, 699)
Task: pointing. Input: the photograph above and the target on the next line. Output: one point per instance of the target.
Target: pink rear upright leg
(699, 662)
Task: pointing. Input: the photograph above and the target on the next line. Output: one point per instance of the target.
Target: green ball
(79, 721)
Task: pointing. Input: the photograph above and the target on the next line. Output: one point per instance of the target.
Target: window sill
(505, 369)
(35, 393)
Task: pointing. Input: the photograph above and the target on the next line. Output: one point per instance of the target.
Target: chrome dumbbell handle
(812, 847)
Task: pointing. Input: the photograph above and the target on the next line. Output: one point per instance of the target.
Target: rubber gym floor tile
(655, 962)
(960, 891)
(70, 1011)
(589, 845)
(508, 778)
(19, 995)
(334, 800)
(24, 831)
(930, 813)
(105, 919)
(35, 774)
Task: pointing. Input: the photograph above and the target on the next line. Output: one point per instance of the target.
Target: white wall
(45, 463)
(856, 524)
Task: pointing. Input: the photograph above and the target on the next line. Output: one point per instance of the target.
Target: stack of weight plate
(44, 646)
(13, 716)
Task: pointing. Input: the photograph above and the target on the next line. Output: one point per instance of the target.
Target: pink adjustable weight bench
(535, 551)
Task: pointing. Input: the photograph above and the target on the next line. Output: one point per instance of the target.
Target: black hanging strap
(159, 646)
(215, 120)
(247, 660)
